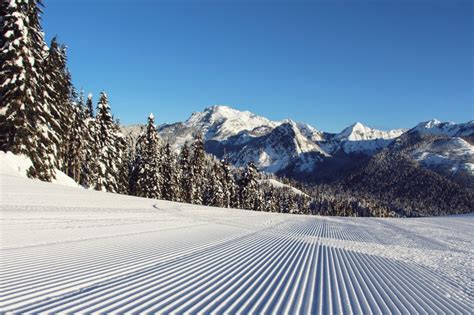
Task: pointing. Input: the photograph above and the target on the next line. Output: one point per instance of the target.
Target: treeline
(193, 176)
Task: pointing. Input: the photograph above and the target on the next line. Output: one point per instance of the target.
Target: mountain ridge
(297, 149)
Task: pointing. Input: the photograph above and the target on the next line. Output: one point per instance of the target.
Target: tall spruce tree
(24, 117)
(111, 148)
(61, 108)
(146, 168)
(249, 187)
(169, 171)
(89, 164)
(76, 141)
(229, 187)
(198, 166)
(186, 179)
(216, 194)
(89, 110)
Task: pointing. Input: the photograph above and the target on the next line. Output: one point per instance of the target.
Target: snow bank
(63, 179)
(14, 165)
(18, 165)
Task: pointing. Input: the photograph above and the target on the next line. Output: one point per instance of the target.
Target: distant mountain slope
(272, 145)
(300, 151)
(396, 180)
(358, 138)
(436, 127)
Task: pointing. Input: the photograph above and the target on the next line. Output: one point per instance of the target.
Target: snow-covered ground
(66, 249)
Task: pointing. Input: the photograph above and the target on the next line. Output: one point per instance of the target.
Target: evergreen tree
(123, 161)
(111, 148)
(249, 187)
(186, 179)
(147, 163)
(76, 142)
(170, 190)
(24, 118)
(89, 111)
(271, 199)
(89, 164)
(229, 187)
(198, 164)
(214, 193)
(61, 91)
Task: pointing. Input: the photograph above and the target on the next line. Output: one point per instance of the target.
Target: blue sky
(386, 63)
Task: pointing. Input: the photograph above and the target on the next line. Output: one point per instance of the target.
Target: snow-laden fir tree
(111, 148)
(219, 196)
(213, 190)
(61, 91)
(229, 187)
(24, 114)
(248, 186)
(271, 198)
(146, 169)
(198, 166)
(91, 148)
(76, 141)
(186, 175)
(169, 171)
(89, 110)
(123, 162)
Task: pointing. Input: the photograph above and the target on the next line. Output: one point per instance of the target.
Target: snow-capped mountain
(287, 147)
(436, 127)
(276, 150)
(359, 132)
(245, 137)
(220, 122)
(358, 138)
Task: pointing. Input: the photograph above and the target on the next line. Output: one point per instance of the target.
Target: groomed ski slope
(69, 250)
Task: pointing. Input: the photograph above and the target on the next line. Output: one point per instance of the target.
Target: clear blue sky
(386, 63)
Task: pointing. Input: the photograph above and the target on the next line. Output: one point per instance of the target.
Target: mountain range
(298, 150)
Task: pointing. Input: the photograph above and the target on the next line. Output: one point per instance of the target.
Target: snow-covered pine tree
(76, 141)
(271, 198)
(123, 161)
(24, 117)
(169, 171)
(89, 164)
(198, 166)
(186, 175)
(229, 186)
(61, 91)
(111, 148)
(89, 111)
(218, 198)
(248, 186)
(146, 169)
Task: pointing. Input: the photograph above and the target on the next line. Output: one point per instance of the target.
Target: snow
(450, 129)
(70, 250)
(219, 122)
(18, 165)
(278, 184)
(358, 132)
(14, 165)
(454, 153)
